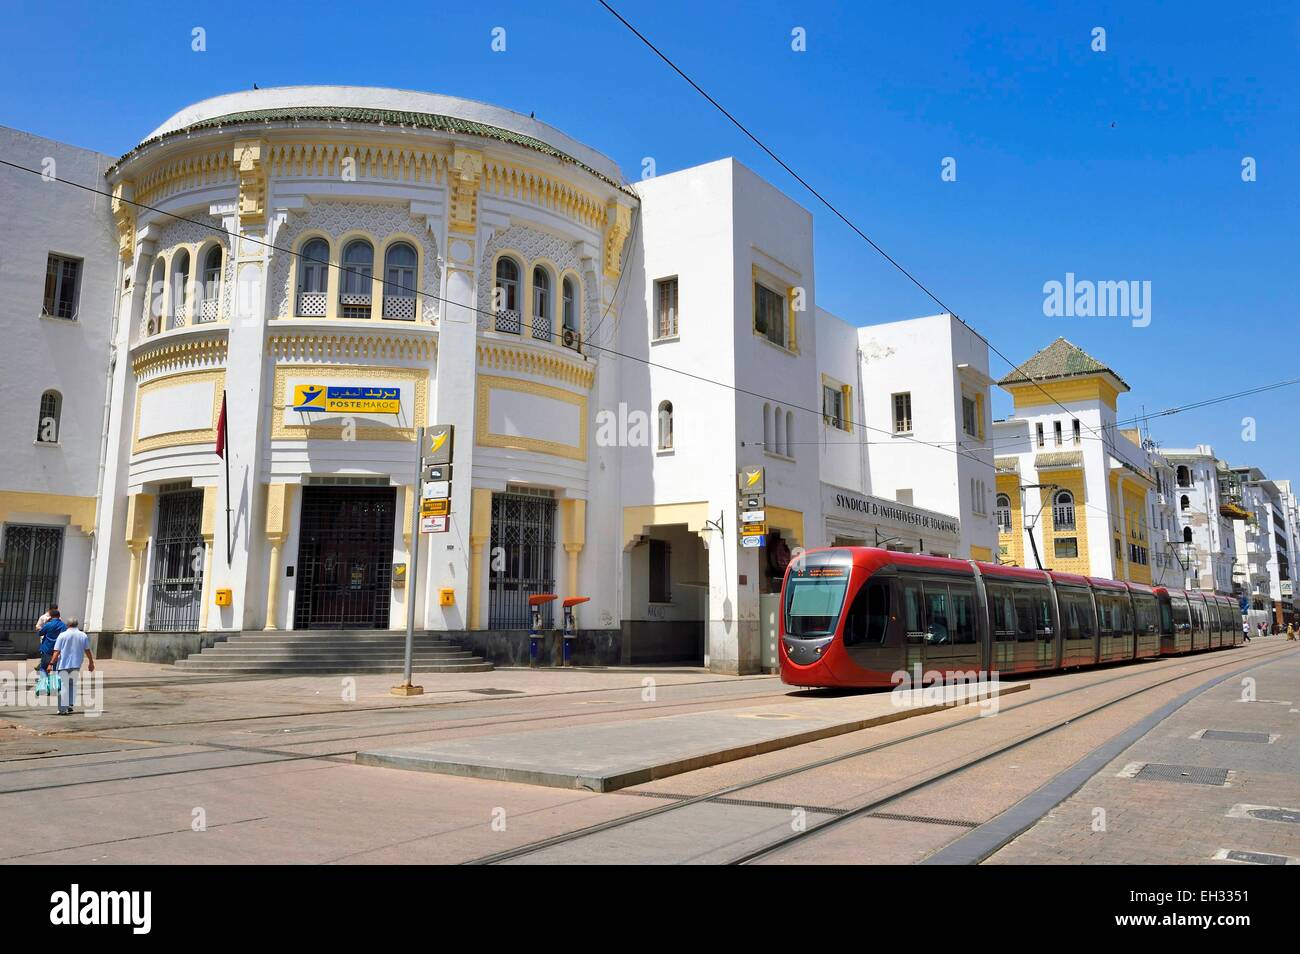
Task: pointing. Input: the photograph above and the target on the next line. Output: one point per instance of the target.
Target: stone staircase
(8, 651)
(345, 652)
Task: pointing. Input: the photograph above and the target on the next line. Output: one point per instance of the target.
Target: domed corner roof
(394, 106)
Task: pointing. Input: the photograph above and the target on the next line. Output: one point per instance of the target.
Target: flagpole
(225, 455)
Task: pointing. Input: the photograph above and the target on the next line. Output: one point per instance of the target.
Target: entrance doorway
(29, 578)
(345, 558)
(522, 557)
(176, 586)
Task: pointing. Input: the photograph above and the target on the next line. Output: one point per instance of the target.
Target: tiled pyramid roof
(1060, 359)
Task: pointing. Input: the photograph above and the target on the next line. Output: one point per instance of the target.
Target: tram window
(1004, 612)
(1166, 619)
(1078, 616)
(962, 614)
(1147, 614)
(1105, 614)
(936, 613)
(1125, 614)
(868, 619)
(1041, 609)
(914, 615)
(1182, 619)
(1024, 617)
(812, 605)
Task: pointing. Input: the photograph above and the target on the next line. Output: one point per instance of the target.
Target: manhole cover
(768, 715)
(1256, 858)
(1276, 814)
(1223, 735)
(1196, 774)
(496, 692)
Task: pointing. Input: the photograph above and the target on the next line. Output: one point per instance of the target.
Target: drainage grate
(1196, 774)
(496, 692)
(925, 819)
(1256, 858)
(1223, 735)
(1276, 814)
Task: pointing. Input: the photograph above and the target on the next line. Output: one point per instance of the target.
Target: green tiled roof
(1060, 359)
(384, 117)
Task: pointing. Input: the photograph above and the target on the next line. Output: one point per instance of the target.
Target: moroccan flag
(221, 428)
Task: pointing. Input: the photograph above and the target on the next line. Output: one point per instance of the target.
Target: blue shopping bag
(47, 683)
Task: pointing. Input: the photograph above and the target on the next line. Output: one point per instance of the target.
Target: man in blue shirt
(51, 631)
(71, 649)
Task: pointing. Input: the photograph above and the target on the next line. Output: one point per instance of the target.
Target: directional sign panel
(433, 524)
(752, 501)
(439, 507)
(438, 472)
(750, 480)
(753, 530)
(753, 516)
(436, 488)
(438, 440)
(750, 543)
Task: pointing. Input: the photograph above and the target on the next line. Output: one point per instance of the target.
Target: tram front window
(814, 600)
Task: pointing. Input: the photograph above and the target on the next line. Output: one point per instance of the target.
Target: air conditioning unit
(571, 339)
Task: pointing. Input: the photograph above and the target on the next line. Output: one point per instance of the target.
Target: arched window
(1184, 502)
(313, 278)
(47, 425)
(789, 434)
(1187, 534)
(1063, 510)
(778, 443)
(541, 303)
(767, 427)
(211, 285)
(399, 281)
(157, 298)
(1184, 476)
(570, 312)
(180, 282)
(1002, 513)
(665, 425)
(358, 279)
(506, 297)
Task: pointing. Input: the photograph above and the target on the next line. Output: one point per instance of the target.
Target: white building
(1207, 508)
(58, 274)
(347, 264)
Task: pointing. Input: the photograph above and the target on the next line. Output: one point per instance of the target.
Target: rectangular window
(833, 407)
(1078, 437)
(1056, 432)
(769, 314)
(969, 419)
(1039, 429)
(666, 308)
(1066, 547)
(962, 614)
(660, 590)
(62, 284)
(903, 413)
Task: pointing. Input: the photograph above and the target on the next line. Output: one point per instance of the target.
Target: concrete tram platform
(604, 758)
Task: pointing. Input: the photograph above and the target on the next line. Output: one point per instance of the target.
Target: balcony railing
(208, 309)
(508, 321)
(311, 304)
(541, 328)
(399, 308)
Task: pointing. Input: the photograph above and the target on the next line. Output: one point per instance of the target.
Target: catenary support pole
(412, 576)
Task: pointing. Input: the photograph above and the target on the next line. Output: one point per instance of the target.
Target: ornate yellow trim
(248, 156)
(482, 436)
(618, 222)
(361, 344)
(194, 169)
(463, 181)
(206, 435)
(180, 353)
(375, 161)
(782, 518)
(79, 510)
(524, 360)
(124, 219)
(637, 520)
(1089, 388)
(281, 431)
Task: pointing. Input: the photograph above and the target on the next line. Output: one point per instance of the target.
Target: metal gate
(345, 558)
(522, 557)
(176, 587)
(29, 579)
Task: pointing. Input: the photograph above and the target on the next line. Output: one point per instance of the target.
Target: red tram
(855, 616)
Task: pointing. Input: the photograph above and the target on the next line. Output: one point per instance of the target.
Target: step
(374, 658)
(199, 665)
(353, 643)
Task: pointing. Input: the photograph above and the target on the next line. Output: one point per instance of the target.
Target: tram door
(29, 575)
(176, 585)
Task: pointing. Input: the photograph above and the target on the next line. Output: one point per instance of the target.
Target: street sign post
(406, 688)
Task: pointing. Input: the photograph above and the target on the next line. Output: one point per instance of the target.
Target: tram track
(725, 794)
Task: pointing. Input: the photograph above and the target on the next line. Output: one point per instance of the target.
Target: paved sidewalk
(1186, 794)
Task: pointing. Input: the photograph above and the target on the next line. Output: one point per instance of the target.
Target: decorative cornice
(464, 179)
(351, 345)
(205, 167)
(618, 225)
(188, 352)
(547, 364)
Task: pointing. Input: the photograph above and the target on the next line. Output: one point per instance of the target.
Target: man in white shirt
(71, 649)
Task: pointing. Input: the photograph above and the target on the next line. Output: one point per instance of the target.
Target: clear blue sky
(1122, 165)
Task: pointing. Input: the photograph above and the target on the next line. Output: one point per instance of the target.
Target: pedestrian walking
(71, 649)
(49, 632)
(1245, 630)
(45, 617)
(1290, 632)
